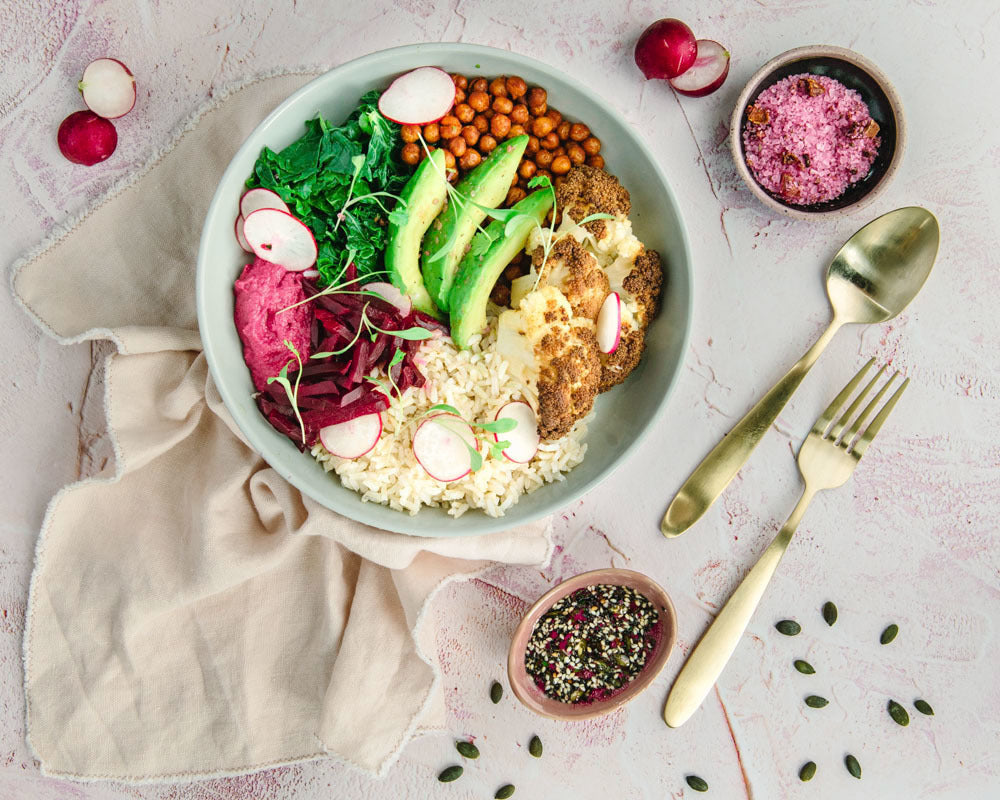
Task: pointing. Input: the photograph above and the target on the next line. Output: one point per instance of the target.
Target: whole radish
(666, 49)
(85, 138)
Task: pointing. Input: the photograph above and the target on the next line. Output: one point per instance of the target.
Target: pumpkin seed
(853, 766)
(898, 713)
(788, 627)
(923, 707)
(829, 613)
(504, 792)
(535, 747)
(696, 783)
(467, 749)
(496, 692)
(451, 774)
(889, 634)
(804, 667)
(815, 701)
(807, 771)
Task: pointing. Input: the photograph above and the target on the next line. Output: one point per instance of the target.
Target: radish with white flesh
(524, 437)
(108, 88)
(609, 323)
(256, 199)
(85, 138)
(441, 446)
(424, 95)
(391, 295)
(708, 72)
(354, 438)
(278, 237)
(241, 240)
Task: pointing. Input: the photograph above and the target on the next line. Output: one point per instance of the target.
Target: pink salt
(812, 147)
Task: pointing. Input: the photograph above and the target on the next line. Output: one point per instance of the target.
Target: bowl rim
(801, 53)
(425, 53)
(614, 575)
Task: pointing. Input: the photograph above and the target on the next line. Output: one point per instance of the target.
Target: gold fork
(826, 460)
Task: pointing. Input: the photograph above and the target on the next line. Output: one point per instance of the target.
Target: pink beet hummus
(262, 291)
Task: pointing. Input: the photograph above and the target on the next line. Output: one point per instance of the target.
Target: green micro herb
(293, 393)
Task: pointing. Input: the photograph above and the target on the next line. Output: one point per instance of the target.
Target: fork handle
(720, 466)
(712, 653)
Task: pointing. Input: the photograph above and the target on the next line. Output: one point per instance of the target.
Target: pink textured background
(912, 539)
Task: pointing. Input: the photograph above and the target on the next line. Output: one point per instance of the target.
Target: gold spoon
(873, 277)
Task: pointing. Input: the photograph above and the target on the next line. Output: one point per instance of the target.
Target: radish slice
(609, 323)
(108, 88)
(524, 438)
(708, 72)
(441, 446)
(391, 295)
(278, 237)
(241, 240)
(256, 199)
(354, 438)
(424, 95)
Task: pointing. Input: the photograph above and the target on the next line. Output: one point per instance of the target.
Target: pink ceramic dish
(529, 694)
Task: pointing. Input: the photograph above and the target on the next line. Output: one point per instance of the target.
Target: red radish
(666, 49)
(609, 323)
(391, 295)
(241, 240)
(524, 438)
(85, 138)
(256, 199)
(441, 446)
(708, 72)
(354, 438)
(424, 95)
(278, 237)
(108, 88)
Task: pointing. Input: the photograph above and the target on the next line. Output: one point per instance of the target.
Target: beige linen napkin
(193, 614)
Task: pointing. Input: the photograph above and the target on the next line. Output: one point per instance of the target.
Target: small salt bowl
(853, 71)
(534, 698)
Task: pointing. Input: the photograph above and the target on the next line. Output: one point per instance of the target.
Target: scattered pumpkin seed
(535, 747)
(696, 783)
(789, 627)
(504, 792)
(467, 749)
(807, 771)
(496, 692)
(889, 634)
(453, 773)
(898, 713)
(815, 701)
(853, 766)
(923, 707)
(829, 613)
(804, 667)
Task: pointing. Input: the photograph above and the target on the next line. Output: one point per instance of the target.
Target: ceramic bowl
(622, 416)
(855, 72)
(530, 695)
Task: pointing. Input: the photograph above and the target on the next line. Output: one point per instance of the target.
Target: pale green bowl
(623, 415)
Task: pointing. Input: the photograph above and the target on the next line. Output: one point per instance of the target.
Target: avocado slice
(485, 186)
(424, 196)
(484, 262)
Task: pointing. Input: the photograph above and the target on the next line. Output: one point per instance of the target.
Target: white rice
(477, 383)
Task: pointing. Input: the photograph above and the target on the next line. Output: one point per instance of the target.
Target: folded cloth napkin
(193, 614)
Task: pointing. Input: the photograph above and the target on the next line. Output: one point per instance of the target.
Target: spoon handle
(720, 466)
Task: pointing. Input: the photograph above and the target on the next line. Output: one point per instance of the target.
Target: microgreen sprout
(293, 393)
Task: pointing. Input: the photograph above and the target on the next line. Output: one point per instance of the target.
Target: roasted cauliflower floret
(575, 273)
(586, 191)
(554, 355)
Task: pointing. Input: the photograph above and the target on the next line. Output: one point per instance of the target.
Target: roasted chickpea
(410, 153)
(480, 85)
(479, 101)
(550, 141)
(515, 195)
(543, 158)
(513, 270)
(516, 180)
(449, 159)
(480, 123)
(527, 169)
(488, 113)
(516, 87)
(537, 96)
(450, 127)
(544, 173)
(559, 151)
(498, 88)
(500, 126)
(408, 133)
(578, 132)
(542, 126)
(503, 105)
(470, 134)
(464, 113)
(500, 294)
(519, 114)
(451, 175)
(516, 130)
(561, 165)
(596, 161)
(487, 143)
(554, 115)
(458, 146)
(563, 130)
(533, 145)
(432, 132)
(460, 81)
(576, 154)
(459, 96)
(591, 145)
(470, 159)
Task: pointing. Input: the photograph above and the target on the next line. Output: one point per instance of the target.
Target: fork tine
(866, 438)
(824, 419)
(845, 418)
(868, 411)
